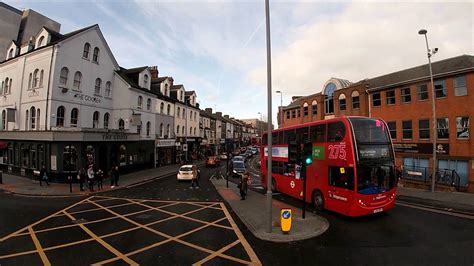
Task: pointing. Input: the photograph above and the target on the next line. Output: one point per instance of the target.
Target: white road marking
(470, 217)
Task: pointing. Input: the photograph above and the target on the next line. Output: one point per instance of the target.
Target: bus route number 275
(337, 151)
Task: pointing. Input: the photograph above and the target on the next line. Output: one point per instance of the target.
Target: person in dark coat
(81, 175)
(243, 185)
(91, 176)
(100, 177)
(115, 176)
(43, 176)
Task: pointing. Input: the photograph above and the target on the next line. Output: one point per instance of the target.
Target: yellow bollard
(285, 220)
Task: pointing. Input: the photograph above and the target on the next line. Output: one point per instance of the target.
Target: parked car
(212, 161)
(223, 156)
(186, 172)
(238, 168)
(249, 154)
(236, 152)
(238, 158)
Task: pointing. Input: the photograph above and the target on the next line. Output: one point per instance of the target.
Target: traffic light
(308, 153)
(294, 152)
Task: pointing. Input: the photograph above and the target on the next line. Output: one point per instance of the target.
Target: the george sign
(87, 98)
(114, 136)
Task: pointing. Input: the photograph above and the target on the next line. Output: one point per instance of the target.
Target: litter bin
(285, 220)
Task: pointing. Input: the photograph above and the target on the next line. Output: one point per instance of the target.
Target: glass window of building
(139, 128)
(4, 120)
(27, 119)
(390, 97)
(178, 113)
(70, 158)
(87, 48)
(148, 128)
(342, 102)
(77, 80)
(33, 118)
(462, 127)
(74, 117)
(407, 129)
(90, 154)
(25, 158)
(139, 102)
(123, 155)
(162, 107)
(293, 113)
(60, 116)
(443, 128)
(459, 84)
(440, 88)
(376, 101)
(298, 113)
(424, 129)
(167, 131)
(287, 114)
(145, 81)
(108, 89)
(98, 83)
(406, 95)
(392, 126)
(121, 124)
(34, 164)
(460, 167)
(169, 110)
(95, 56)
(36, 78)
(161, 130)
(305, 109)
(95, 120)
(422, 92)
(106, 120)
(63, 76)
(177, 130)
(314, 107)
(148, 104)
(41, 78)
(355, 100)
(328, 98)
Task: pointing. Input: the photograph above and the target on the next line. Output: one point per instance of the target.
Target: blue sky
(217, 48)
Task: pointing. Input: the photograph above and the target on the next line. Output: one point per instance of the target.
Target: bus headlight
(235, 172)
(362, 203)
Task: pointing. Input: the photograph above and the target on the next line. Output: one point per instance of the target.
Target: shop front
(165, 152)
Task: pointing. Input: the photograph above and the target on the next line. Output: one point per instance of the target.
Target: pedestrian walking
(81, 177)
(243, 184)
(195, 179)
(90, 176)
(100, 179)
(114, 176)
(43, 176)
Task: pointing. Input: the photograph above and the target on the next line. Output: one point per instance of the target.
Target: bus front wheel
(318, 200)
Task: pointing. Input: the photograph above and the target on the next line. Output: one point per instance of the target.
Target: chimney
(154, 72)
(208, 110)
(219, 114)
(226, 116)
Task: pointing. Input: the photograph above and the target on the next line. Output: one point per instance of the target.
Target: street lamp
(431, 53)
(281, 108)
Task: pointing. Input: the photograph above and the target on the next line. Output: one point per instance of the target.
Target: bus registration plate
(378, 210)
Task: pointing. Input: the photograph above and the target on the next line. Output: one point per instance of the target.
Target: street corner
(105, 230)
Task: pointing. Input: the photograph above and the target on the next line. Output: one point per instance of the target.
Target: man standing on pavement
(43, 175)
(90, 175)
(243, 185)
(195, 179)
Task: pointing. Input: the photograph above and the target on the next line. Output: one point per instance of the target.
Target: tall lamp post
(281, 108)
(431, 53)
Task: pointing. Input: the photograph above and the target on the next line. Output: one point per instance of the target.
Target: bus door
(340, 188)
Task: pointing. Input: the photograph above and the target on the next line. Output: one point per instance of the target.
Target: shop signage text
(165, 142)
(114, 136)
(87, 98)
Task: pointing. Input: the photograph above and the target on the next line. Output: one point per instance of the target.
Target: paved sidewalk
(460, 201)
(29, 187)
(252, 213)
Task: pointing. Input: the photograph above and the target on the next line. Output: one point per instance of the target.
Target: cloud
(366, 40)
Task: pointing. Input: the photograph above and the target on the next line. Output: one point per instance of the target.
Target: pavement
(250, 211)
(29, 187)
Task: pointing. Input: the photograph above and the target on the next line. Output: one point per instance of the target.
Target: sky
(218, 48)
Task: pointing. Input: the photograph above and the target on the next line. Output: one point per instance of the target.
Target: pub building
(66, 103)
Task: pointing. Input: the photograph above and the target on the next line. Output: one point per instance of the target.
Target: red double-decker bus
(353, 168)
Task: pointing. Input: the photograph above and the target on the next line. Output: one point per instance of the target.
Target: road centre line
(103, 243)
(414, 206)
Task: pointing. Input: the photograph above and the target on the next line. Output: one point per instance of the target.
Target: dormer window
(40, 41)
(95, 56)
(87, 48)
(145, 81)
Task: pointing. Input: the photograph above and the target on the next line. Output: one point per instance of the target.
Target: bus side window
(318, 133)
(290, 135)
(275, 138)
(264, 140)
(341, 177)
(336, 131)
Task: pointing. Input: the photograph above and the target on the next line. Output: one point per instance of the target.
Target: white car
(185, 172)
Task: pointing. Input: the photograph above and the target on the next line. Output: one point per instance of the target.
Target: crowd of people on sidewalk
(87, 179)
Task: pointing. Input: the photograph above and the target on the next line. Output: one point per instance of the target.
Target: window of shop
(11, 154)
(60, 116)
(407, 129)
(17, 154)
(422, 92)
(90, 154)
(461, 167)
(355, 100)
(74, 116)
(95, 120)
(25, 162)
(70, 158)
(460, 88)
(376, 101)
(415, 168)
(392, 126)
(4, 120)
(123, 155)
(390, 97)
(462, 127)
(424, 129)
(443, 128)
(406, 95)
(33, 157)
(40, 155)
(106, 120)
(440, 88)
(342, 102)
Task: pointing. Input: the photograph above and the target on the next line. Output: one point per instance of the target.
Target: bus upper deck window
(336, 131)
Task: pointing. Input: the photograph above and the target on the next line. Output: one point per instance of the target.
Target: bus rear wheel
(318, 200)
(274, 188)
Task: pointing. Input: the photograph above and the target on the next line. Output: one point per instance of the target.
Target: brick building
(403, 100)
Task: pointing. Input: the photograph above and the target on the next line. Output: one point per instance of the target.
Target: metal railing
(447, 177)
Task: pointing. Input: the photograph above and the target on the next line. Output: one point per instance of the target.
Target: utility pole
(269, 119)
